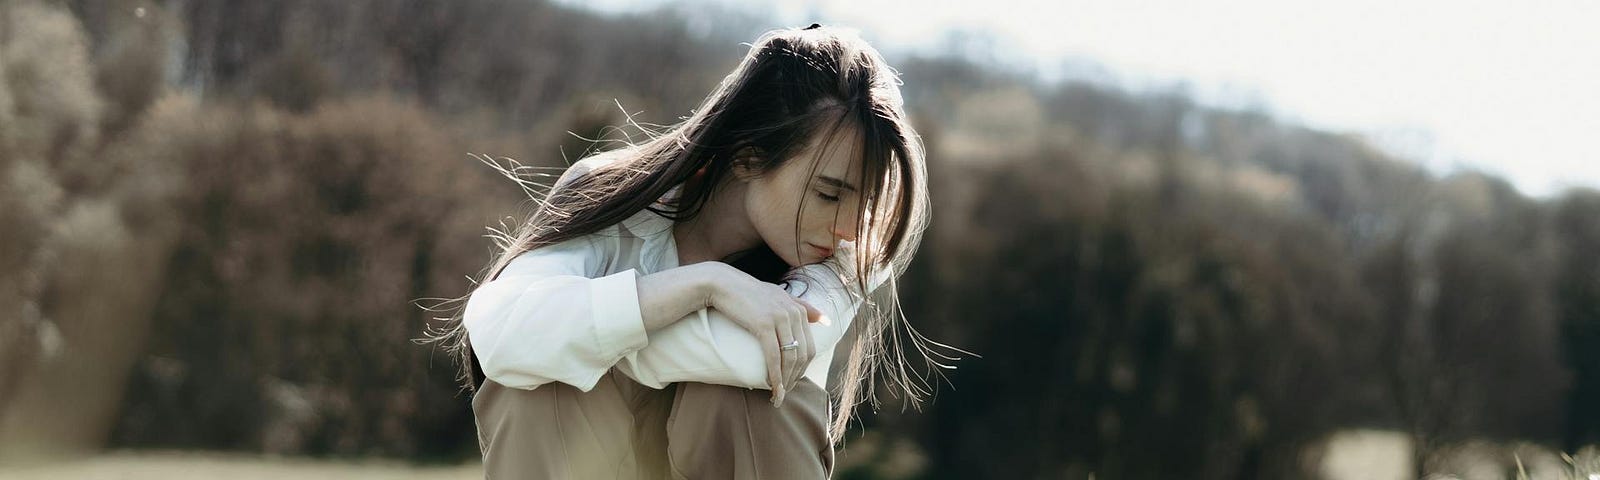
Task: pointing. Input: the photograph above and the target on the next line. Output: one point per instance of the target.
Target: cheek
(818, 216)
(772, 210)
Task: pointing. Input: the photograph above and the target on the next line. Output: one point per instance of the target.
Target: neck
(719, 230)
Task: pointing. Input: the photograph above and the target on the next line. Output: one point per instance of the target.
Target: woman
(626, 323)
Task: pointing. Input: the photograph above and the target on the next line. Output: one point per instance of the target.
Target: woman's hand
(775, 318)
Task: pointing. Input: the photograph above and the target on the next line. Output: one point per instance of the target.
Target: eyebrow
(836, 183)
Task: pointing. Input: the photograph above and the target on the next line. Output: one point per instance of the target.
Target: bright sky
(1512, 88)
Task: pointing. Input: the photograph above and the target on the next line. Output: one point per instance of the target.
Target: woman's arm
(544, 320)
(569, 327)
(708, 347)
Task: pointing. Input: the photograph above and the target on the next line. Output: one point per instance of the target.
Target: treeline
(221, 217)
(1163, 290)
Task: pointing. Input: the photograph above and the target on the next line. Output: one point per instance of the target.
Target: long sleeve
(544, 320)
(708, 347)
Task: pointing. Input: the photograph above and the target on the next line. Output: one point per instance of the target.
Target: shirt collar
(660, 250)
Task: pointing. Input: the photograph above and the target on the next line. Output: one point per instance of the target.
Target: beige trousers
(624, 430)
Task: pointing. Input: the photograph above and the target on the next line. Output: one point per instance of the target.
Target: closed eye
(827, 198)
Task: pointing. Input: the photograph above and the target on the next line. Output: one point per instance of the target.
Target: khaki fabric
(624, 430)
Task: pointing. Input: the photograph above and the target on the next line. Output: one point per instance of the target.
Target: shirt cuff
(618, 324)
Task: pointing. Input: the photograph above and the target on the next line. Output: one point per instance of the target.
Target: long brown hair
(792, 85)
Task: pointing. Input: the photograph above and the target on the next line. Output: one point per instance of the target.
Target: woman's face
(823, 202)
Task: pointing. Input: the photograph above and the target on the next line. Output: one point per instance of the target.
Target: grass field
(173, 465)
(1350, 455)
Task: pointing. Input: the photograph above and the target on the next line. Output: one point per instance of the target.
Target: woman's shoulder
(646, 224)
(590, 164)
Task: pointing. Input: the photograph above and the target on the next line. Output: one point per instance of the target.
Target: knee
(717, 431)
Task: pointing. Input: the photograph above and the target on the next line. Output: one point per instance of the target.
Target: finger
(813, 314)
(802, 330)
(774, 370)
(785, 332)
(808, 352)
(811, 344)
(794, 357)
(802, 355)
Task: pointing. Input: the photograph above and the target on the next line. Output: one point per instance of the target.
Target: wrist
(710, 281)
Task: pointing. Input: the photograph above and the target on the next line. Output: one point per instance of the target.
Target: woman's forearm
(669, 295)
(713, 348)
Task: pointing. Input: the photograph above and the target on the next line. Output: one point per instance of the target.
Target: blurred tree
(1130, 339)
(287, 319)
(79, 258)
(1472, 343)
(1577, 226)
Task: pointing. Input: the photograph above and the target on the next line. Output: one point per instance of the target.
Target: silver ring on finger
(793, 345)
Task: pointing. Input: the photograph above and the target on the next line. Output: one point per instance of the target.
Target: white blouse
(569, 312)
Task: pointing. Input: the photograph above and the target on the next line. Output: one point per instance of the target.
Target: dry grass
(1381, 454)
(179, 465)
(1367, 454)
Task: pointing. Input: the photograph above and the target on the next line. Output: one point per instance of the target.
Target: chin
(806, 258)
(788, 257)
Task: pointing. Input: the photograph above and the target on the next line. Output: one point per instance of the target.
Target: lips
(820, 251)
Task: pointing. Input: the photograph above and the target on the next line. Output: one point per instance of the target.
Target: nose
(846, 234)
(844, 227)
